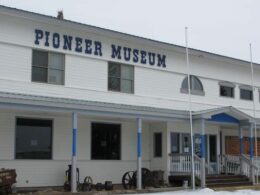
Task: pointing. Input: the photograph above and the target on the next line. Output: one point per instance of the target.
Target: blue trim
(202, 145)
(74, 142)
(241, 145)
(251, 147)
(139, 144)
(223, 117)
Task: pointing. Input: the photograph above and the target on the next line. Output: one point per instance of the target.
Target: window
(105, 141)
(120, 78)
(246, 94)
(226, 91)
(157, 144)
(48, 67)
(33, 139)
(195, 86)
(175, 143)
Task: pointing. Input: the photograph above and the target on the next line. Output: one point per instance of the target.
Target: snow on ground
(208, 191)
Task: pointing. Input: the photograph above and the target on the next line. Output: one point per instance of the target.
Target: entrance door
(213, 153)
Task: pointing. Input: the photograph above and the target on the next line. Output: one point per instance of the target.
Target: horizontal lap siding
(52, 172)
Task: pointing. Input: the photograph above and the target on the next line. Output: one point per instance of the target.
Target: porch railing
(231, 164)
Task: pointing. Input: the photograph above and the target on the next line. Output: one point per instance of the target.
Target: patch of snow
(207, 191)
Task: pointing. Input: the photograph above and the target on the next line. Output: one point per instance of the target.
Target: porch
(72, 131)
(213, 158)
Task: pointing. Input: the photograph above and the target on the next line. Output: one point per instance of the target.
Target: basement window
(105, 141)
(33, 139)
(48, 67)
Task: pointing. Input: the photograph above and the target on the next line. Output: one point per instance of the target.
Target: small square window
(226, 91)
(246, 94)
(48, 67)
(120, 78)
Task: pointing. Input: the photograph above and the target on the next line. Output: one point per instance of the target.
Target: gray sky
(224, 27)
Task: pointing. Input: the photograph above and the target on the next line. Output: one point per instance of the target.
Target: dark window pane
(213, 148)
(195, 83)
(114, 70)
(175, 142)
(114, 84)
(39, 74)
(105, 142)
(226, 91)
(33, 139)
(40, 58)
(246, 94)
(158, 145)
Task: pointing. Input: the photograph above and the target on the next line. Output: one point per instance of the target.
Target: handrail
(248, 168)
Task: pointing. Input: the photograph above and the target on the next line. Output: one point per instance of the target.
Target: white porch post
(203, 167)
(74, 153)
(139, 153)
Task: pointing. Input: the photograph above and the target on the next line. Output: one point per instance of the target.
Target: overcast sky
(224, 27)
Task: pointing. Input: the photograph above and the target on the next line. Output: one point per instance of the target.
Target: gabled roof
(229, 110)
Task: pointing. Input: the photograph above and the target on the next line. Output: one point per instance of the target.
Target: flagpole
(190, 111)
(253, 90)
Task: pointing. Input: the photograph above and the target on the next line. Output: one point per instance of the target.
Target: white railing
(197, 166)
(256, 162)
(229, 164)
(181, 164)
(248, 168)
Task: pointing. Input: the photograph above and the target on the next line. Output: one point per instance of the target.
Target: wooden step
(230, 184)
(214, 181)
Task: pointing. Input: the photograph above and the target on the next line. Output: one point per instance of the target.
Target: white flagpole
(253, 90)
(190, 111)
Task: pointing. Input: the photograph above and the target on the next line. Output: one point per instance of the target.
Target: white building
(52, 68)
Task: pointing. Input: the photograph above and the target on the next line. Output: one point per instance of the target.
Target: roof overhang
(64, 105)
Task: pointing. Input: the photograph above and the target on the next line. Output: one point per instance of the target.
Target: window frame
(120, 78)
(246, 88)
(154, 145)
(91, 141)
(192, 91)
(48, 68)
(179, 145)
(227, 84)
(52, 137)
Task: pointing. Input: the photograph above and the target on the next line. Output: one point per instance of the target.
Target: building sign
(91, 47)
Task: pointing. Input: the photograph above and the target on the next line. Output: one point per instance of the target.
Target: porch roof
(66, 105)
(230, 114)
